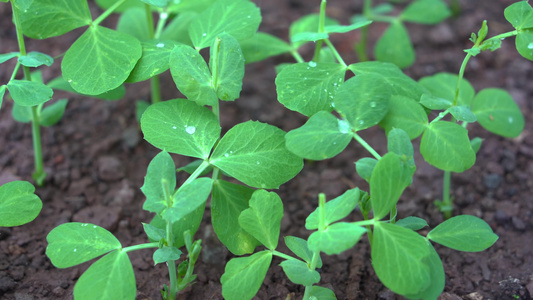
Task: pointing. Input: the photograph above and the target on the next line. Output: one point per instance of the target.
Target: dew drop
(312, 64)
(190, 129)
(258, 162)
(372, 104)
(344, 126)
(361, 122)
(75, 249)
(69, 81)
(530, 46)
(95, 226)
(204, 34)
(174, 127)
(163, 15)
(511, 120)
(305, 78)
(226, 154)
(160, 45)
(332, 104)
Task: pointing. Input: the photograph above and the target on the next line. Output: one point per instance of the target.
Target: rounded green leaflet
(389, 179)
(363, 100)
(154, 60)
(299, 272)
(48, 18)
(524, 43)
(336, 239)
(446, 146)
(395, 46)
(18, 203)
(74, 243)
(243, 276)
(497, 112)
(181, 126)
(255, 154)
(405, 113)
(238, 18)
(319, 138)
(109, 278)
(100, 60)
(309, 87)
(464, 233)
(261, 46)
(29, 93)
(443, 85)
(53, 113)
(227, 67)
(519, 14)
(160, 179)
(426, 12)
(398, 257)
(133, 22)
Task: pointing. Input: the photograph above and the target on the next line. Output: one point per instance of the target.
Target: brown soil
(97, 159)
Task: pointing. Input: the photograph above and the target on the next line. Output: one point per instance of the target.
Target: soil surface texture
(96, 159)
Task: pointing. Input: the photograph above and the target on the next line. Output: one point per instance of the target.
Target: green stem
(196, 173)
(163, 17)
(366, 145)
(106, 13)
(297, 56)
(150, 20)
(141, 246)
(360, 47)
(283, 255)
(321, 29)
(155, 89)
(335, 53)
(460, 78)
(38, 175)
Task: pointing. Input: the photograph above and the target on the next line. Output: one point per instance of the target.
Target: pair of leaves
(251, 152)
(520, 15)
(111, 277)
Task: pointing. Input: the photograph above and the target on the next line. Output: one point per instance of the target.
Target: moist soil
(96, 160)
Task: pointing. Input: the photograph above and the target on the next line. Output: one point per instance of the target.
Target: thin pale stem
(141, 246)
(163, 17)
(321, 29)
(366, 145)
(107, 12)
(335, 53)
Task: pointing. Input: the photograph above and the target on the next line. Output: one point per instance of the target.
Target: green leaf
(18, 203)
(159, 182)
(336, 209)
(36, 59)
(443, 85)
(426, 12)
(436, 272)
(238, 18)
(319, 138)
(406, 114)
(435, 103)
(178, 28)
(7, 56)
(309, 37)
(322, 293)
(464, 233)
(446, 146)
(227, 203)
(336, 238)
(74, 243)
(100, 60)
(181, 126)
(309, 87)
(299, 273)
(255, 154)
(524, 43)
(53, 113)
(192, 166)
(398, 257)
(299, 247)
(387, 183)
(519, 14)
(48, 18)
(105, 4)
(29, 93)
(154, 60)
(399, 143)
(192, 76)
(395, 46)
(133, 22)
(229, 63)
(413, 223)
(61, 84)
(261, 46)
(153, 232)
(476, 144)
(462, 113)
(307, 23)
(2, 92)
(243, 276)
(399, 83)
(365, 166)
(263, 219)
(22, 114)
(191, 222)
(165, 254)
(344, 29)
(363, 100)
(157, 3)
(188, 198)
(109, 278)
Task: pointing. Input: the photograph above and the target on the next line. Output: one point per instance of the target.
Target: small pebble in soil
(518, 223)
(110, 168)
(492, 181)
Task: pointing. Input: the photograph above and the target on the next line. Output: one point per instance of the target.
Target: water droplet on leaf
(312, 64)
(160, 45)
(511, 120)
(190, 129)
(372, 104)
(204, 34)
(344, 126)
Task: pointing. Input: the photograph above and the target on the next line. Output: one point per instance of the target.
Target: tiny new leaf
(181, 126)
(336, 238)
(29, 93)
(36, 59)
(395, 46)
(464, 233)
(365, 166)
(255, 154)
(262, 219)
(243, 276)
(159, 182)
(227, 67)
(188, 198)
(413, 223)
(300, 247)
(154, 60)
(74, 243)
(227, 202)
(336, 209)
(111, 277)
(190, 222)
(443, 85)
(426, 12)
(18, 203)
(165, 254)
(51, 114)
(322, 293)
